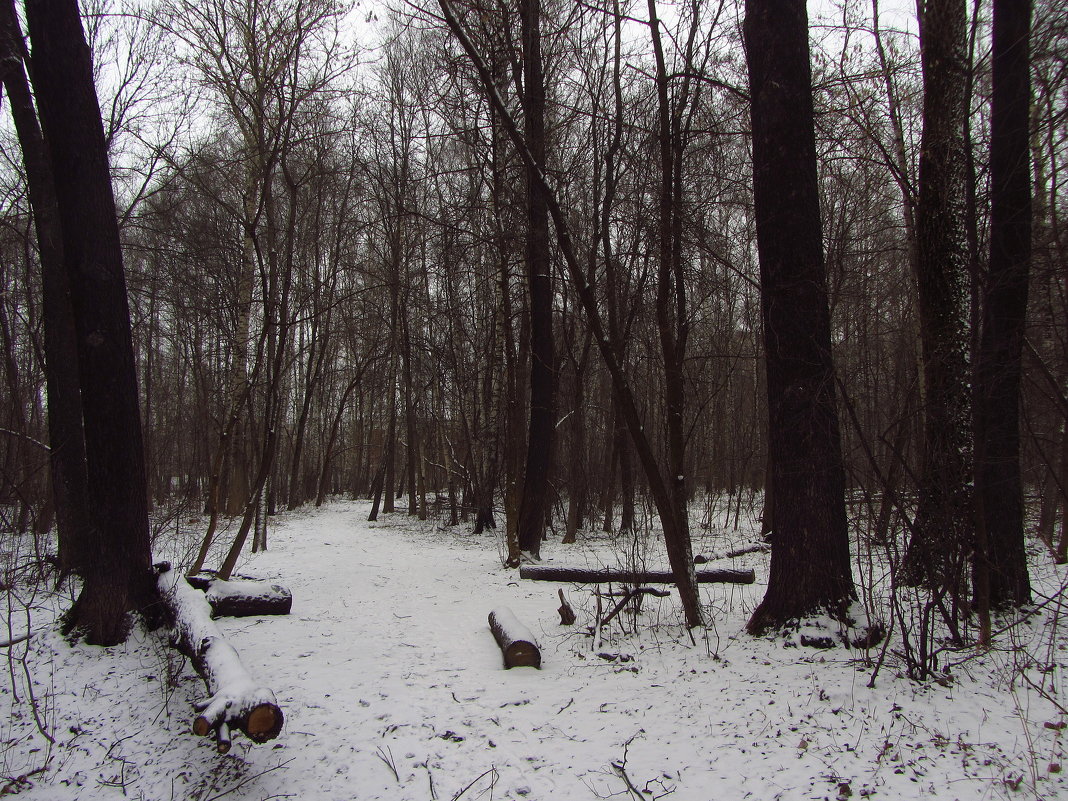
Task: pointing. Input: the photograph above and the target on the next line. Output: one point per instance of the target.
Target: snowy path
(386, 663)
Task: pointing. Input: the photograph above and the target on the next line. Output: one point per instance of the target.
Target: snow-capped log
(236, 700)
(702, 559)
(242, 597)
(585, 575)
(515, 640)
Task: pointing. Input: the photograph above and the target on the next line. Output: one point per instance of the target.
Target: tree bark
(117, 568)
(672, 319)
(534, 506)
(944, 526)
(242, 597)
(65, 433)
(1002, 563)
(810, 569)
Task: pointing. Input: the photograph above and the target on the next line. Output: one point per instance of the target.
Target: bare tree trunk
(331, 439)
(117, 565)
(616, 330)
(1001, 566)
(671, 314)
(65, 433)
(534, 506)
(944, 526)
(810, 568)
(412, 451)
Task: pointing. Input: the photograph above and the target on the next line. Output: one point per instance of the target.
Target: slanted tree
(65, 435)
(810, 568)
(116, 568)
(682, 568)
(1001, 567)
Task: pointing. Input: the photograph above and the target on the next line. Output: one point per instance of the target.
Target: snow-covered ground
(393, 688)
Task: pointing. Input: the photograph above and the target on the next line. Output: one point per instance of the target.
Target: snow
(219, 590)
(393, 688)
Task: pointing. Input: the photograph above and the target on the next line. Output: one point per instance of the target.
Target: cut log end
(264, 723)
(522, 654)
(201, 726)
(222, 739)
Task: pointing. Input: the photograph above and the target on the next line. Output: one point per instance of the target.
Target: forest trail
(393, 689)
(387, 658)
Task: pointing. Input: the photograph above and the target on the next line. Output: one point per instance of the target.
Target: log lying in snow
(585, 575)
(702, 559)
(242, 597)
(515, 640)
(236, 701)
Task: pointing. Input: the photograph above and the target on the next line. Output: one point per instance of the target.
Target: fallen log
(585, 575)
(702, 559)
(236, 700)
(517, 644)
(242, 597)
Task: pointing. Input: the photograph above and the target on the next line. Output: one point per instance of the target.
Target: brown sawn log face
(516, 642)
(264, 723)
(584, 575)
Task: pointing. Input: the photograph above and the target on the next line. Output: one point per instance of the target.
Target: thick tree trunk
(1002, 563)
(534, 506)
(810, 568)
(376, 493)
(117, 565)
(65, 433)
(944, 520)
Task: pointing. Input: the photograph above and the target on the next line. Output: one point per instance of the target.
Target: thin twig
(19, 435)
(492, 770)
(16, 640)
(245, 781)
(390, 763)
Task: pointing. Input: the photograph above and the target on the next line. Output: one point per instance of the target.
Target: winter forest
(549, 399)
